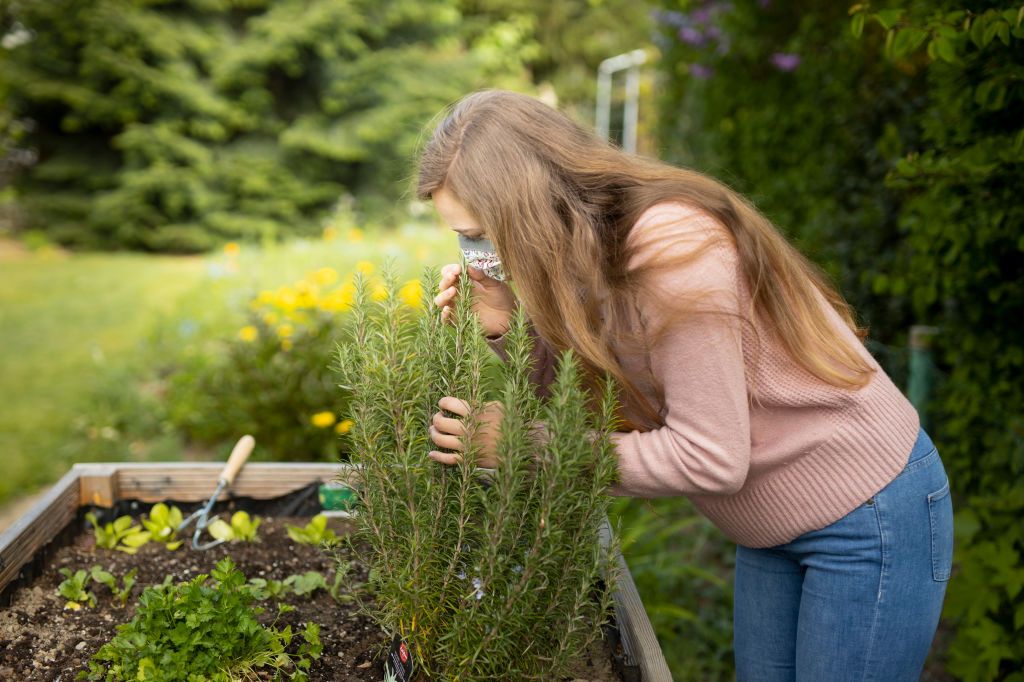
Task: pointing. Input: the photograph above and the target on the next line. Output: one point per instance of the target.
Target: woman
(744, 382)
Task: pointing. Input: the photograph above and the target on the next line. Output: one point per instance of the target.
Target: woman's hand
(493, 301)
(447, 432)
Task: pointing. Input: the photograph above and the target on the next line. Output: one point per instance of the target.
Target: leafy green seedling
(340, 574)
(241, 529)
(108, 579)
(120, 535)
(73, 589)
(306, 584)
(315, 532)
(163, 523)
(268, 589)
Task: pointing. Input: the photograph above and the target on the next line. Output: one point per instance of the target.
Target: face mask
(481, 255)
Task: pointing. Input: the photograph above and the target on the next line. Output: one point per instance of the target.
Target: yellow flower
(355, 235)
(248, 333)
(286, 344)
(344, 427)
(299, 317)
(379, 292)
(232, 249)
(270, 318)
(365, 267)
(322, 420)
(285, 330)
(324, 276)
(266, 298)
(411, 293)
(340, 299)
(286, 299)
(330, 233)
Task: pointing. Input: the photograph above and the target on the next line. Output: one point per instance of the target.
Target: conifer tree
(486, 574)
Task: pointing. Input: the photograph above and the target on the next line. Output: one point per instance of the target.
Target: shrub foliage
(486, 574)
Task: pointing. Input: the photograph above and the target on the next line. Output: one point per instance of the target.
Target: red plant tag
(399, 662)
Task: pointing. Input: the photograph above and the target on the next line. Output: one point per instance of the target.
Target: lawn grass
(63, 320)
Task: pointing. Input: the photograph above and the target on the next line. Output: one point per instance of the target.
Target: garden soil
(41, 640)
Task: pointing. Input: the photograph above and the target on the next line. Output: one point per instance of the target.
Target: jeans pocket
(940, 516)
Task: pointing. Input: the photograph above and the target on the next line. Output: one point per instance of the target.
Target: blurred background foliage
(174, 126)
(278, 136)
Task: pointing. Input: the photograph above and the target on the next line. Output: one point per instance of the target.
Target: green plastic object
(336, 497)
(921, 376)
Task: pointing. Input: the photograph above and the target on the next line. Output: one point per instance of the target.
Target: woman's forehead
(454, 213)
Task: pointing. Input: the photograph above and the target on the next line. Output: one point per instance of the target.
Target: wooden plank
(98, 485)
(635, 629)
(195, 481)
(23, 539)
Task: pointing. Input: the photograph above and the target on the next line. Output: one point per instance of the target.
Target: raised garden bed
(40, 640)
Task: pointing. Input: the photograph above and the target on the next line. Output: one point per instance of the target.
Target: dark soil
(41, 640)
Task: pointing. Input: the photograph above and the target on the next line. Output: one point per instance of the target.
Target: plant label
(398, 665)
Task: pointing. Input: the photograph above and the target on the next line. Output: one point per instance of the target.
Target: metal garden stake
(239, 454)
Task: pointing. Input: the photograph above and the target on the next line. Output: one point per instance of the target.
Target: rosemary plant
(485, 574)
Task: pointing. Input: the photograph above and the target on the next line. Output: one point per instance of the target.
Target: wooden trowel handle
(240, 453)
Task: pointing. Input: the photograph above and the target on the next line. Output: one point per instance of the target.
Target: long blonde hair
(548, 191)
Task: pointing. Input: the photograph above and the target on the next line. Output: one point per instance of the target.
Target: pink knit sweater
(763, 448)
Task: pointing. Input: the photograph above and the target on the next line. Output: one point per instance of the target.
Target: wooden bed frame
(25, 545)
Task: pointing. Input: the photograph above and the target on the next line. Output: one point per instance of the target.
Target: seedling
(306, 584)
(108, 579)
(340, 574)
(120, 535)
(203, 629)
(241, 529)
(268, 589)
(163, 523)
(315, 532)
(73, 589)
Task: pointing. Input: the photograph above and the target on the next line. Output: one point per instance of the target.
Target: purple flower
(669, 17)
(701, 15)
(785, 61)
(701, 71)
(691, 36)
(764, 3)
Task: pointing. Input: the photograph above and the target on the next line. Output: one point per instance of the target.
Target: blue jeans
(858, 599)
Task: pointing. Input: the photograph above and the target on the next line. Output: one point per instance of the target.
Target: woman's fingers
(447, 291)
(448, 425)
(459, 407)
(445, 297)
(449, 275)
(444, 440)
(445, 457)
